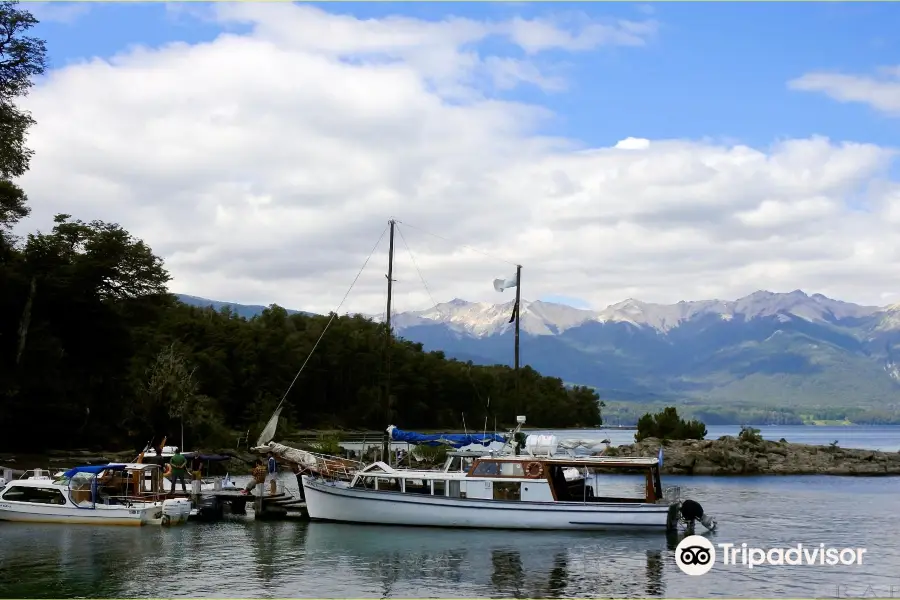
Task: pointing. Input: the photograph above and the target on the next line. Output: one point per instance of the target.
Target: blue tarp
(92, 469)
(454, 440)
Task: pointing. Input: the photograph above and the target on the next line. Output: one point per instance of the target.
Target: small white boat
(114, 494)
(502, 492)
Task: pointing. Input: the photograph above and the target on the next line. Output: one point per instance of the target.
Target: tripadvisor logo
(696, 555)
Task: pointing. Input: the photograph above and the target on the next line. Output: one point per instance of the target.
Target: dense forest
(95, 352)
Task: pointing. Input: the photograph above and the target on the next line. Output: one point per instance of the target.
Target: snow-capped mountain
(778, 349)
(772, 347)
(480, 319)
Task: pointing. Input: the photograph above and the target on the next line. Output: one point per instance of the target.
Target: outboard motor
(690, 512)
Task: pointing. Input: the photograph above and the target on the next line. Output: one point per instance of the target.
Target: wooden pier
(267, 504)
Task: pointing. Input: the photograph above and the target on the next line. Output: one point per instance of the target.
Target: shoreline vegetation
(727, 455)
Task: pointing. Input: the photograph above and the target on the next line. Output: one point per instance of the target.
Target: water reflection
(420, 562)
(243, 558)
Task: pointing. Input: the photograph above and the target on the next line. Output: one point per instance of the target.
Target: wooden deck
(265, 507)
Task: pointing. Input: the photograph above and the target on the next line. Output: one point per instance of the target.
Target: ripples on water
(244, 558)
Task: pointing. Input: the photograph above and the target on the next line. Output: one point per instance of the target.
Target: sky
(656, 151)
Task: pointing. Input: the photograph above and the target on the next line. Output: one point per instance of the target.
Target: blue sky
(713, 75)
(716, 69)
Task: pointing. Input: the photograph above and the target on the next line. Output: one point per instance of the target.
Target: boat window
(388, 484)
(455, 463)
(439, 487)
(512, 469)
(507, 490)
(417, 486)
(486, 468)
(466, 464)
(365, 481)
(34, 494)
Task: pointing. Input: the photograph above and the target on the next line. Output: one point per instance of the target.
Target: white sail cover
(590, 444)
(548, 445)
(268, 432)
(332, 466)
(294, 455)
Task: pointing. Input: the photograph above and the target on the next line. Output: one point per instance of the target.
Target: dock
(211, 505)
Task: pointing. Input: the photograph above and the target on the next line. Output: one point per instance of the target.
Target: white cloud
(263, 166)
(881, 91)
(58, 12)
(633, 144)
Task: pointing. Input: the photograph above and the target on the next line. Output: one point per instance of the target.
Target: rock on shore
(732, 456)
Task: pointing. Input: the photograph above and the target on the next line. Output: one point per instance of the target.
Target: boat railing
(125, 501)
(333, 467)
(42, 474)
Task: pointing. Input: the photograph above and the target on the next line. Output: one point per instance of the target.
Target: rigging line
(333, 315)
(419, 271)
(434, 302)
(472, 248)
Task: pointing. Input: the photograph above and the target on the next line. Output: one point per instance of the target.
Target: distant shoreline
(378, 434)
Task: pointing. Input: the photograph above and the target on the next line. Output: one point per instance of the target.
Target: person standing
(272, 471)
(179, 470)
(196, 467)
(298, 472)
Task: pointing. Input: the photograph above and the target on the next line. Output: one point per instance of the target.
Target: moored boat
(114, 494)
(503, 492)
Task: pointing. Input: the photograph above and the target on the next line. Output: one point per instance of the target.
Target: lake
(242, 558)
(875, 437)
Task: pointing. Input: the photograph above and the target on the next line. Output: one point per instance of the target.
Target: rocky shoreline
(730, 455)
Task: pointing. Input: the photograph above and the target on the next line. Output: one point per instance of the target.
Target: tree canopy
(96, 352)
(21, 59)
(667, 425)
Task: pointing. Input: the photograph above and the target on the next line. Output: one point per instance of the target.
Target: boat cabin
(461, 461)
(524, 478)
(114, 483)
(87, 486)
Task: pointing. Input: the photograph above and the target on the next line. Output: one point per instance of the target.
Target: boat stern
(175, 511)
(687, 512)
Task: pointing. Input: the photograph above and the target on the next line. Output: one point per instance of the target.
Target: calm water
(244, 558)
(885, 438)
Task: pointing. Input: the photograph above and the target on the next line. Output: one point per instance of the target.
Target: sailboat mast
(518, 298)
(386, 446)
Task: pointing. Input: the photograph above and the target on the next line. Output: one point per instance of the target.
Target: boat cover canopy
(92, 469)
(454, 440)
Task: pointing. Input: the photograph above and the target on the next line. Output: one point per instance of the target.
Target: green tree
(667, 425)
(75, 303)
(21, 59)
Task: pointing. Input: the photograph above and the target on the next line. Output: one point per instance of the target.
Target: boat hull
(78, 516)
(327, 501)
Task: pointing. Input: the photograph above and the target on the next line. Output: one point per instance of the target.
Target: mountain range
(782, 350)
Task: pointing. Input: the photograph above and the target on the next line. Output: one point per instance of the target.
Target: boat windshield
(80, 490)
(459, 464)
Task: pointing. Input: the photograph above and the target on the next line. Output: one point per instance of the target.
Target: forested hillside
(94, 351)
